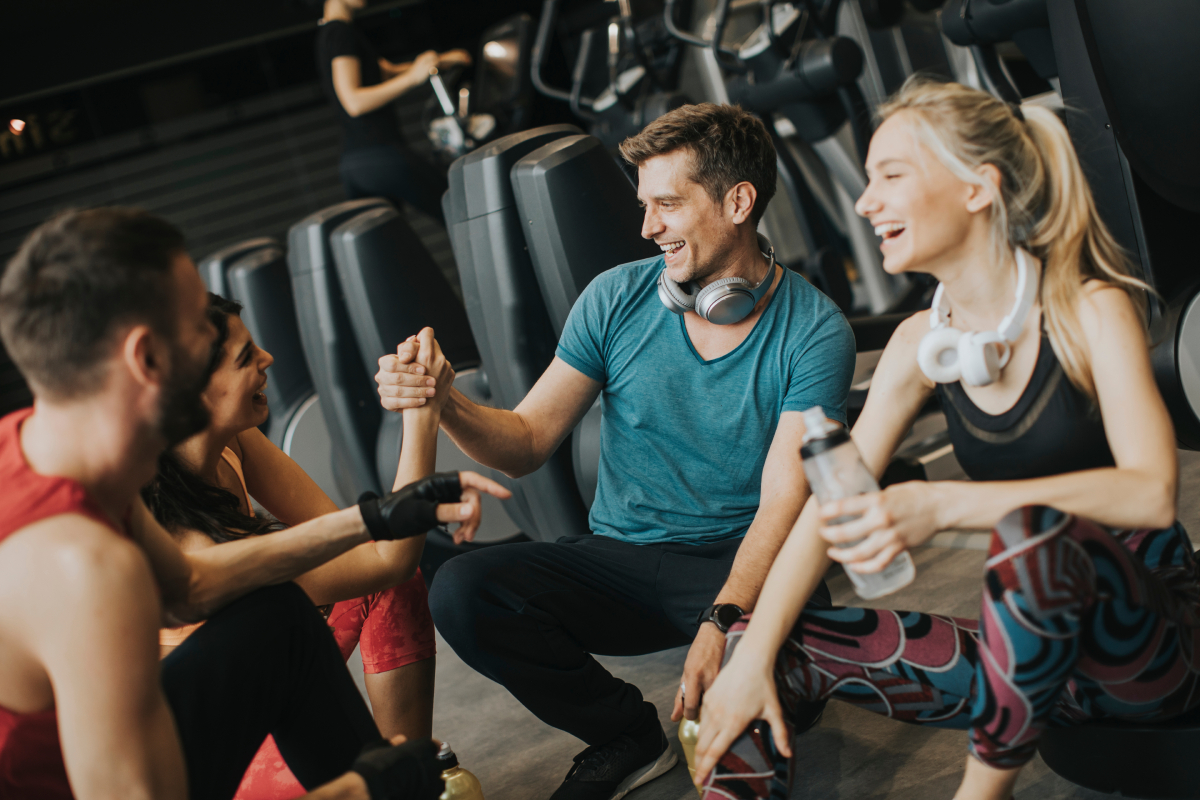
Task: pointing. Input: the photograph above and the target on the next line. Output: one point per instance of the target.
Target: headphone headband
(1010, 327)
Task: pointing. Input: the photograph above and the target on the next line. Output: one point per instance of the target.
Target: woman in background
(361, 86)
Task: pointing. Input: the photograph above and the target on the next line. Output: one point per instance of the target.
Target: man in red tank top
(104, 313)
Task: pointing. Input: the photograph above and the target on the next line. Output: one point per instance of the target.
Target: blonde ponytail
(1046, 204)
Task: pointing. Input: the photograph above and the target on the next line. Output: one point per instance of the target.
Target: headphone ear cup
(676, 298)
(979, 359)
(725, 301)
(938, 355)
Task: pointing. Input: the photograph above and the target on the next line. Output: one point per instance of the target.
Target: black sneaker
(614, 769)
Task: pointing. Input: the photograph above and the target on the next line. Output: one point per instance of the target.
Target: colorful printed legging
(1078, 622)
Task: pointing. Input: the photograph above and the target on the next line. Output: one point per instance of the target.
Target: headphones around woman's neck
(947, 354)
(725, 301)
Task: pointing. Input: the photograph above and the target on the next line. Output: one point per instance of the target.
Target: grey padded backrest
(349, 401)
(506, 312)
(214, 267)
(261, 283)
(393, 289)
(581, 218)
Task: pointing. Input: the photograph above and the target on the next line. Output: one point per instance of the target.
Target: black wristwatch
(723, 615)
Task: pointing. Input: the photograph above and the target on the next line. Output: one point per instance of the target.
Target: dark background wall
(206, 113)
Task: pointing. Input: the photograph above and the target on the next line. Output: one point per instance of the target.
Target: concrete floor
(850, 755)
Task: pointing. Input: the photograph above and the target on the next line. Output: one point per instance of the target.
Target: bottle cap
(446, 758)
(816, 426)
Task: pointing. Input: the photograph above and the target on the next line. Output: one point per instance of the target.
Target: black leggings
(396, 173)
(266, 663)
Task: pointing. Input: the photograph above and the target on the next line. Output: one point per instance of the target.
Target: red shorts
(391, 628)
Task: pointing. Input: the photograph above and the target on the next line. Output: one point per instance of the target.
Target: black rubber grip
(408, 771)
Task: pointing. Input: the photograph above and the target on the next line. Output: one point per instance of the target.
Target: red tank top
(31, 763)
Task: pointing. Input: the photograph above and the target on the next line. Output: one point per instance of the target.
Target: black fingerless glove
(410, 511)
(408, 771)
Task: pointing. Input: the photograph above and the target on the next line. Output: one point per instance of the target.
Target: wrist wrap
(410, 511)
(408, 771)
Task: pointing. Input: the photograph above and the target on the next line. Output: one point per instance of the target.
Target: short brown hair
(76, 278)
(728, 146)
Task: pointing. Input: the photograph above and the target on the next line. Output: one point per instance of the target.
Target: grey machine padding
(506, 312)
(260, 282)
(393, 289)
(349, 402)
(581, 218)
(214, 267)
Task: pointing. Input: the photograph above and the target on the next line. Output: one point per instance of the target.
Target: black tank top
(1053, 428)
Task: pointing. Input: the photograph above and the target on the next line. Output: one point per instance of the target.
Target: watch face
(726, 614)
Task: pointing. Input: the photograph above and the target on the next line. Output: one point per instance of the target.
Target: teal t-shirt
(683, 441)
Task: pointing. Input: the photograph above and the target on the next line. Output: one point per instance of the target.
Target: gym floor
(850, 754)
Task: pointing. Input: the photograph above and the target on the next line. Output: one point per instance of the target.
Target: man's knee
(456, 596)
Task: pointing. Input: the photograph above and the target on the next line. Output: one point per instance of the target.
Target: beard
(182, 412)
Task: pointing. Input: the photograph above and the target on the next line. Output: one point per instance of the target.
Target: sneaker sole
(660, 767)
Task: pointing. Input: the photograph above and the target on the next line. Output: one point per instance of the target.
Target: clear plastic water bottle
(835, 470)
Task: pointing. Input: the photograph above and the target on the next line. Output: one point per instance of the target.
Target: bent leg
(1075, 626)
(265, 663)
(398, 645)
(530, 615)
(913, 667)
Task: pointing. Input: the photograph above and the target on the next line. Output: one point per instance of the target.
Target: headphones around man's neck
(947, 354)
(725, 301)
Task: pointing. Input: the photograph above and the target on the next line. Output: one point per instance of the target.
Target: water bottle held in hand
(835, 470)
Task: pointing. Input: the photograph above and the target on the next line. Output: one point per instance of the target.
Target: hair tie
(1016, 111)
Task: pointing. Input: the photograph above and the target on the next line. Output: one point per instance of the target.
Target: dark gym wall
(206, 113)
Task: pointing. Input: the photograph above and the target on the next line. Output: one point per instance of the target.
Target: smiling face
(235, 396)
(925, 214)
(696, 235)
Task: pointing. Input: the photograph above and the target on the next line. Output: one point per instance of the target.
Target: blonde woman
(1090, 591)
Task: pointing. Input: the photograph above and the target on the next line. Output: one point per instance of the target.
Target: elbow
(1162, 510)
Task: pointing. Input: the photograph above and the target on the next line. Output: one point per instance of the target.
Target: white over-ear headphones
(947, 354)
(724, 301)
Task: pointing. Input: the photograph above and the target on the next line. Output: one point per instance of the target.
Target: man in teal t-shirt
(700, 478)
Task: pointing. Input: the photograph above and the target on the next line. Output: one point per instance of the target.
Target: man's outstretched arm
(783, 494)
(515, 442)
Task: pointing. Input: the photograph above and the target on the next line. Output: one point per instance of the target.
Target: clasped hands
(418, 379)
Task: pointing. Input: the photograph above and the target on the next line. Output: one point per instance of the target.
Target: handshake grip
(408, 771)
(410, 511)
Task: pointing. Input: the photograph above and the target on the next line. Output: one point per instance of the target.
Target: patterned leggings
(1078, 623)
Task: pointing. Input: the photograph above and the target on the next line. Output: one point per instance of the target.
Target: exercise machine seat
(1128, 74)
(581, 218)
(1128, 759)
(349, 401)
(393, 289)
(215, 266)
(507, 315)
(260, 282)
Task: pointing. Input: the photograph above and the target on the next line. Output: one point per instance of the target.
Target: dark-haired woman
(202, 493)
(361, 87)
(1091, 594)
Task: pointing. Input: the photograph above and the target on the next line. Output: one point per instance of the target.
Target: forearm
(798, 569)
(1112, 496)
(225, 572)
(759, 549)
(350, 786)
(494, 437)
(365, 99)
(418, 451)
